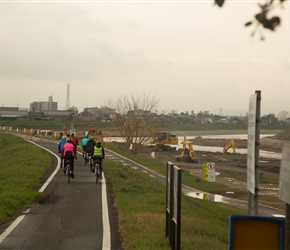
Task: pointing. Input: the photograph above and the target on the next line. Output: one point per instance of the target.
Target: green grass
(237, 176)
(54, 125)
(160, 167)
(22, 165)
(83, 125)
(141, 202)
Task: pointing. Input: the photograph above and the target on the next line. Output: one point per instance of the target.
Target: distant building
(42, 106)
(60, 115)
(85, 116)
(98, 112)
(94, 111)
(12, 114)
(9, 108)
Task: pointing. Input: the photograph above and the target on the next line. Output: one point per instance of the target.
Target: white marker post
(284, 188)
(253, 152)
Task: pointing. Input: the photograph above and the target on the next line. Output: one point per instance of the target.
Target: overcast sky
(192, 55)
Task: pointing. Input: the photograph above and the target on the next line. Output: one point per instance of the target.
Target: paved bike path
(69, 217)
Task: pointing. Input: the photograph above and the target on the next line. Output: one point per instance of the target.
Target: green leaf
(261, 17)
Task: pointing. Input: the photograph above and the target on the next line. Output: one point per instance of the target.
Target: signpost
(256, 232)
(251, 144)
(284, 188)
(173, 205)
(211, 171)
(205, 171)
(253, 152)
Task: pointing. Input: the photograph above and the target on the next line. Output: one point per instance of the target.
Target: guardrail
(173, 205)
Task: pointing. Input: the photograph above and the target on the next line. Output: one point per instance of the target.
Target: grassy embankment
(82, 126)
(139, 198)
(141, 202)
(22, 165)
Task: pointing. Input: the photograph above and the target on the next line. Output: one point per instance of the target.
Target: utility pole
(67, 98)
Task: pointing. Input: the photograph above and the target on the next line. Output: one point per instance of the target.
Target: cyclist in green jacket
(99, 154)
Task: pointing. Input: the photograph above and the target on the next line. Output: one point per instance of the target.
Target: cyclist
(60, 146)
(69, 153)
(84, 144)
(99, 154)
(90, 146)
(74, 140)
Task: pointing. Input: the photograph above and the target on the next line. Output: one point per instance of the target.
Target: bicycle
(68, 171)
(85, 155)
(86, 158)
(96, 168)
(91, 161)
(61, 161)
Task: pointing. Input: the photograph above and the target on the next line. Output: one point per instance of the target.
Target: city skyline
(53, 105)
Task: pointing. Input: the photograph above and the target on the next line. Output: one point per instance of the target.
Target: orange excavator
(231, 144)
(188, 154)
(164, 141)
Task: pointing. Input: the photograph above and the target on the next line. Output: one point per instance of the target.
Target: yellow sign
(205, 171)
(256, 232)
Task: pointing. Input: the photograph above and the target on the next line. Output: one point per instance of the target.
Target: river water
(243, 136)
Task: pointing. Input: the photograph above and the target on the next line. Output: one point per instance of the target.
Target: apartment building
(42, 106)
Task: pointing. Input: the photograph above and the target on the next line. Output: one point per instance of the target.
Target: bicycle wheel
(68, 173)
(91, 165)
(97, 172)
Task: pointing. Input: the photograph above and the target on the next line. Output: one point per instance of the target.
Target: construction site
(229, 161)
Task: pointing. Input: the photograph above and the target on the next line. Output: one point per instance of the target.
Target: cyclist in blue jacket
(84, 144)
(60, 146)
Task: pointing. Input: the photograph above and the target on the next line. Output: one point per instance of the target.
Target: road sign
(211, 171)
(251, 144)
(256, 232)
(205, 171)
(284, 179)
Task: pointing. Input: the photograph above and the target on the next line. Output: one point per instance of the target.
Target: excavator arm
(231, 144)
(188, 154)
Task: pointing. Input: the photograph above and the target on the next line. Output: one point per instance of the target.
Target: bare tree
(134, 118)
(261, 19)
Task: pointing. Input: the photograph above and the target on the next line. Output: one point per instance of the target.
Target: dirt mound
(284, 135)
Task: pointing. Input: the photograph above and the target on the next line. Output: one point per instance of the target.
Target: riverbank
(231, 169)
(223, 132)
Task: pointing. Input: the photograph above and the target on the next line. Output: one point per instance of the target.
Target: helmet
(64, 137)
(68, 139)
(99, 143)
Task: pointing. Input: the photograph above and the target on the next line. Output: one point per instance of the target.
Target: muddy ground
(228, 164)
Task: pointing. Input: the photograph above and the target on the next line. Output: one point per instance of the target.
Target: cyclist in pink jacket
(69, 153)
